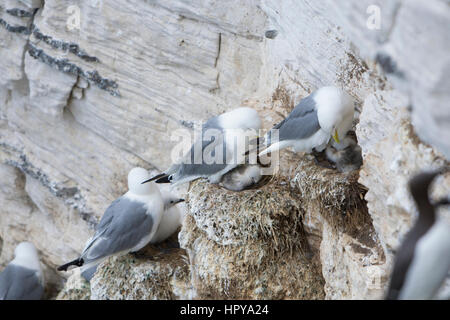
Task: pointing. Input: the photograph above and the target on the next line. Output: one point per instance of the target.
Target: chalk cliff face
(90, 90)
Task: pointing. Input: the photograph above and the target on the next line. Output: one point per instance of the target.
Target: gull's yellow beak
(336, 136)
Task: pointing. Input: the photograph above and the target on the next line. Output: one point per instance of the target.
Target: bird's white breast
(169, 223)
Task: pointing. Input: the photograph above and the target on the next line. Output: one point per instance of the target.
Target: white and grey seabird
(171, 219)
(422, 261)
(22, 279)
(325, 113)
(228, 125)
(127, 225)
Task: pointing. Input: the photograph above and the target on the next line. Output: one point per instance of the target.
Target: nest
(339, 198)
(249, 244)
(270, 215)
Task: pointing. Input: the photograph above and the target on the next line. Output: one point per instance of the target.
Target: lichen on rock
(75, 288)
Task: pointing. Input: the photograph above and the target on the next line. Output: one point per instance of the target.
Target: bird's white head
(335, 110)
(240, 118)
(26, 255)
(25, 249)
(135, 178)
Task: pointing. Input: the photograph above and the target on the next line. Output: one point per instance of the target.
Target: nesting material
(249, 244)
(338, 224)
(152, 273)
(338, 195)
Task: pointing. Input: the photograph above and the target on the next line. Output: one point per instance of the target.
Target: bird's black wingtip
(77, 262)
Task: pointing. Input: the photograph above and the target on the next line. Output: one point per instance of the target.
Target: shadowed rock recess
(83, 103)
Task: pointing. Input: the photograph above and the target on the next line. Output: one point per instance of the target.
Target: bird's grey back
(212, 123)
(20, 283)
(193, 167)
(301, 123)
(123, 225)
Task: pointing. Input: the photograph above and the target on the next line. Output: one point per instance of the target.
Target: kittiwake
(127, 225)
(327, 112)
(22, 279)
(230, 127)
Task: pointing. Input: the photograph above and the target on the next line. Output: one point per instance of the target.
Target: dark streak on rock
(20, 13)
(71, 195)
(65, 66)
(15, 29)
(217, 88)
(218, 50)
(32, 29)
(62, 64)
(63, 45)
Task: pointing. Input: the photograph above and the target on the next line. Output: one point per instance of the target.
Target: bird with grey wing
(127, 225)
(422, 261)
(22, 279)
(224, 130)
(325, 113)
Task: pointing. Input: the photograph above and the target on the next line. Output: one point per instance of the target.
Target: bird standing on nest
(325, 113)
(227, 129)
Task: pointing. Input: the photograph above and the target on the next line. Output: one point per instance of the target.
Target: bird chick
(171, 219)
(242, 177)
(346, 159)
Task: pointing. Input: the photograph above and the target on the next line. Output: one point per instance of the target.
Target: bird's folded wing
(193, 162)
(301, 123)
(123, 225)
(20, 283)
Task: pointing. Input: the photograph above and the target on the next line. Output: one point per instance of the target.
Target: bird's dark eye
(171, 201)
